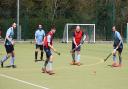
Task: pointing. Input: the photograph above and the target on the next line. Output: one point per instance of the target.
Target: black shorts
(9, 48)
(39, 47)
(74, 46)
(48, 52)
(120, 50)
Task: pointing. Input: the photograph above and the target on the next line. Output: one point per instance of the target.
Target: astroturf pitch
(92, 74)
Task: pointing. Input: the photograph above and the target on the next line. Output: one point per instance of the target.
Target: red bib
(78, 37)
(46, 41)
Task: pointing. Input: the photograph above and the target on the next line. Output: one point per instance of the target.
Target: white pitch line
(9, 77)
(101, 61)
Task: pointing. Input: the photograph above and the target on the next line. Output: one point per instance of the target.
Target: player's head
(113, 28)
(39, 26)
(77, 28)
(14, 25)
(53, 29)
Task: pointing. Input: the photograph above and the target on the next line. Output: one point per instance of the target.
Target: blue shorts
(74, 46)
(9, 48)
(47, 51)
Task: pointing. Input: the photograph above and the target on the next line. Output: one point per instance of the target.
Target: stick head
(58, 54)
(105, 60)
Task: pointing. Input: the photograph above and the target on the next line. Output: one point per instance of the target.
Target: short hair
(13, 23)
(53, 26)
(40, 26)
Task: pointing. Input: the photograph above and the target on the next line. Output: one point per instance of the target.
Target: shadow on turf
(38, 60)
(110, 66)
(10, 66)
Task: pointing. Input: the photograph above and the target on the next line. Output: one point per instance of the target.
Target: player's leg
(7, 47)
(41, 49)
(120, 58)
(4, 59)
(50, 63)
(114, 60)
(73, 58)
(13, 58)
(73, 55)
(36, 52)
(44, 69)
(78, 56)
(114, 64)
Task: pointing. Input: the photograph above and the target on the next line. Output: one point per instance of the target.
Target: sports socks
(36, 53)
(78, 57)
(45, 64)
(41, 56)
(114, 58)
(50, 65)
(120, 59)
(12, 61)
(73, 56)
(4, 58)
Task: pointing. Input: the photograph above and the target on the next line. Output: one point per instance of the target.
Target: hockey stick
(107, 57)
(58, 53)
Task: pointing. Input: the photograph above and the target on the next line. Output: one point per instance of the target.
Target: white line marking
(99, 62)
(9, 77)
(89, 65)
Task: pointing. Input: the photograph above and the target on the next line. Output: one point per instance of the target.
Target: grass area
(93, 74)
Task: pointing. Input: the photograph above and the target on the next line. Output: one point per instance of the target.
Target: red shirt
(78, 36)
(46, 41)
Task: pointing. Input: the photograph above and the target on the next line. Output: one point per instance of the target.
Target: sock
(12, 61)
(78, 57)
(41, 56)
(114, 58)
(36, 53)
(46, 63)
(50, 65)
(4, 59)
(120, 59)
(73, 57)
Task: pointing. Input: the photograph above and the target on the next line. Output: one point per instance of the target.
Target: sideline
(25, 82)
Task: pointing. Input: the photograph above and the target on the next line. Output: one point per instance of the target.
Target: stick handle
(107, 57)
(57, 52)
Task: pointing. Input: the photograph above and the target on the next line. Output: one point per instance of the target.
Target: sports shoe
(78, 63)
(41, 59)
(2, 65)
(114, 65)
(36, 60)
(51, 73)
(72, 63)
(13, 66)
(43, 70)
(119, 65)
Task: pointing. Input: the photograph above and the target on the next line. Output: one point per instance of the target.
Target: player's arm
(51, 47)
(74, 41)
(49, 40)
(83, 38)
(43, 37)
(35, 41)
